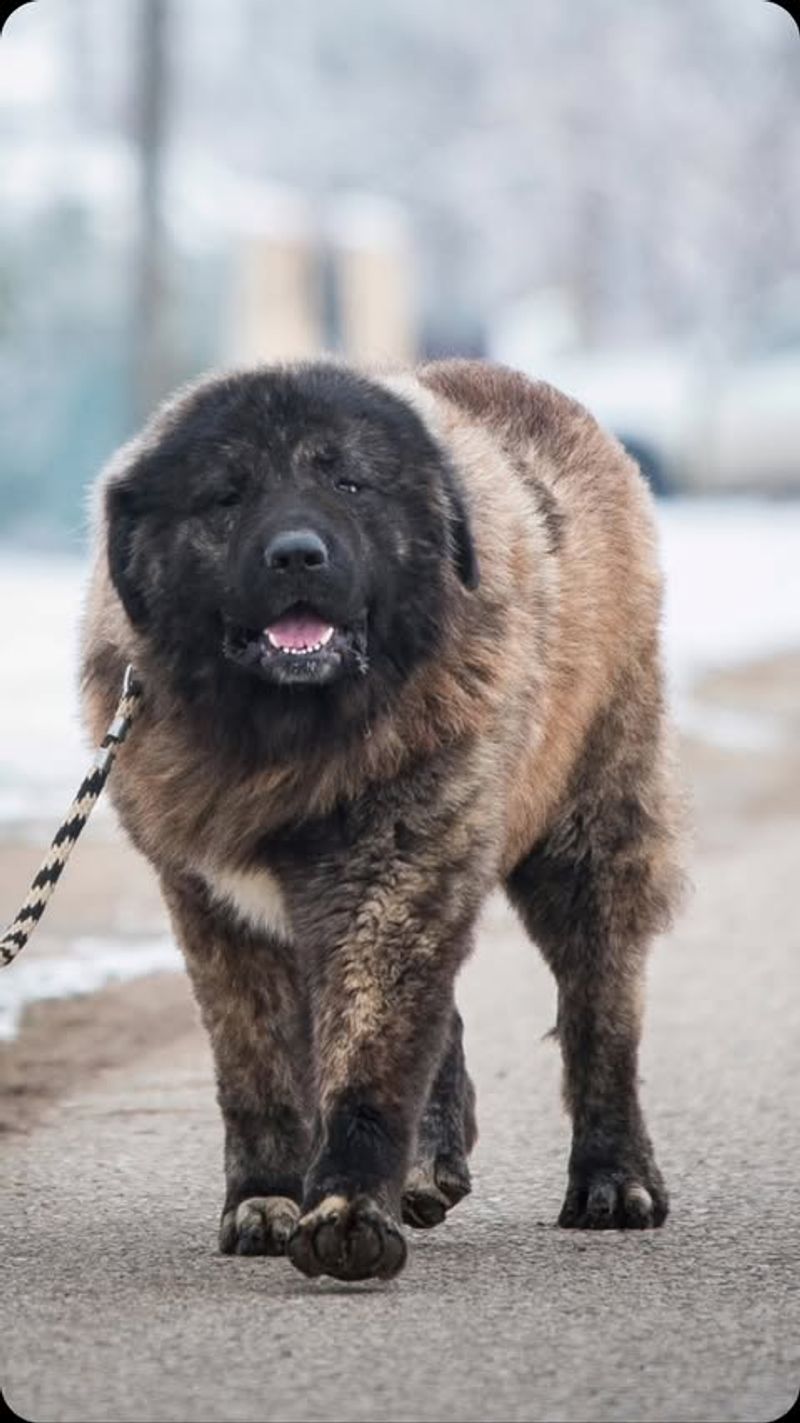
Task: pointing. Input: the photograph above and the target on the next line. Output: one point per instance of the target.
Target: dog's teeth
(301, 651)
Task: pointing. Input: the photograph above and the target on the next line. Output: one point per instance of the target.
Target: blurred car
(695, 418)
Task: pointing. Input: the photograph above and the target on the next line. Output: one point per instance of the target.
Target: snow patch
(43, 754)
(732, 576)
(88, 965)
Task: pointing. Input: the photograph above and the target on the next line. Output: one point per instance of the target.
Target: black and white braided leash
(17, 934)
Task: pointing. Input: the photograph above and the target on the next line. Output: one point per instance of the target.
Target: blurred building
(304, 282)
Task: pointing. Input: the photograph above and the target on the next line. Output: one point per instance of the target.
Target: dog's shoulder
(504, 399)
(554, 440)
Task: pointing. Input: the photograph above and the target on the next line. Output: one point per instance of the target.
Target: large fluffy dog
(398, 637)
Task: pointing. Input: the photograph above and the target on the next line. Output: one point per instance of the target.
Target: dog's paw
(615, 1198)
(432, 1189)
(349, 1239)
(261, 1225)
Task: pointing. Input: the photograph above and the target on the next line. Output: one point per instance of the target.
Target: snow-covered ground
(42, 750)
(732, 573)
(733, 593)
(89, 965)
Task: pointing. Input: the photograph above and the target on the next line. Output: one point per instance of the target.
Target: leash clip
(131, 687)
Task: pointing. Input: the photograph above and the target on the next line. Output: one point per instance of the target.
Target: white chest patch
(255, 895)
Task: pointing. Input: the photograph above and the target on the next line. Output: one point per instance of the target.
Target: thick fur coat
(483, 706)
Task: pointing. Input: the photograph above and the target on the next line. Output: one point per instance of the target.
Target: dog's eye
(326, 457)
(228, 498)
(348, 486)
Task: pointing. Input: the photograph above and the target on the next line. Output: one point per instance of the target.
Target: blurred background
(601, 193)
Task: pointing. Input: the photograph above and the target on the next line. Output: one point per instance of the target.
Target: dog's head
(297, 528)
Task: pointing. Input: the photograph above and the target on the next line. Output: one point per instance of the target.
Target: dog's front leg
(383, 1006)
(254, 1008)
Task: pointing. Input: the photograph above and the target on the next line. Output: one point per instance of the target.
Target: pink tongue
(298, 630)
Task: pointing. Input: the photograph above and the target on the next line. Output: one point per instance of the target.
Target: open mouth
(300, 646)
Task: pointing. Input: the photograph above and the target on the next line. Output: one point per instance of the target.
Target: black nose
(295, 550)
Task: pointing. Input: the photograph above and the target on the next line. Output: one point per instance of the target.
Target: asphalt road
(116, 1306)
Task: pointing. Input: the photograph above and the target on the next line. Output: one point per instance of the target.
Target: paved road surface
(116, 1306)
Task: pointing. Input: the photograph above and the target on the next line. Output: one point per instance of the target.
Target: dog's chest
(255, 896)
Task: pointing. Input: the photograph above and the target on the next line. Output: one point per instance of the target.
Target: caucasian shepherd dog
(398, 640)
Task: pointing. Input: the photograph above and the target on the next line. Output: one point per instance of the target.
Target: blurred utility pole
(152, 364)
(79, 63)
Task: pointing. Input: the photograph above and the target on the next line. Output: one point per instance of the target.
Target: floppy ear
(462, 547)
(123, 511)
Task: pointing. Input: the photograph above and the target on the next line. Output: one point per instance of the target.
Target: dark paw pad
(615, 1199)
(432, 1190)
(261, 1225)
(349, 1239)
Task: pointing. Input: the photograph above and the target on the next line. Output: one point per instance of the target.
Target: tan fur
(255, 896)
(599, 604)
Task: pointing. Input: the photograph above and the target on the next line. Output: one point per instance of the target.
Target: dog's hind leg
(440, 1177)
(592, 893)
(253, 1007)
